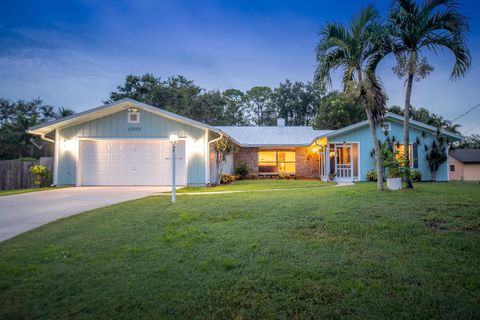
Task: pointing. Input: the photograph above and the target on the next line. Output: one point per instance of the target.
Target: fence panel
(14, 174)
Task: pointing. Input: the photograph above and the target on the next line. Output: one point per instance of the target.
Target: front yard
(332, 252)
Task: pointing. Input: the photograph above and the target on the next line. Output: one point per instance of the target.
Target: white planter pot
(394, 183)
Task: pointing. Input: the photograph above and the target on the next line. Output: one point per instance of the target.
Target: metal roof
(466, 155)
(287, 136)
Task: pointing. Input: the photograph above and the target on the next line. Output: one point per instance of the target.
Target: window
(400, 150)
(277, 161)
(386, 126)
(133, 117)
(452, 168)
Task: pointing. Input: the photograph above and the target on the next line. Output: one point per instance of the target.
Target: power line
(478, 105)
(478, 124)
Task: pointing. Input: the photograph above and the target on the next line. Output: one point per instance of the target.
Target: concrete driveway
(27, 211)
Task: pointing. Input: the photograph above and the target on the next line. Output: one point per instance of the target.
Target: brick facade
(248, 156)
(307, 163)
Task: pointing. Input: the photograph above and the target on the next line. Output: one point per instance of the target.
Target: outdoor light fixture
(66, 144)
(332, 154)
(173, 140)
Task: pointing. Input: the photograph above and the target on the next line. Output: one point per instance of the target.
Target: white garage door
(130, 162)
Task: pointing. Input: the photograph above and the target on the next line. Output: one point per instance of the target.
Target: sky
(74, 53)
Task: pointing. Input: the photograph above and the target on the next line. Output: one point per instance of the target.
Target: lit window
(401, 150)
(278, 161)
(133, 117)
(452, 167)
(386, 126)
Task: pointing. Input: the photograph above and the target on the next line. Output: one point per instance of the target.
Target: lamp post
(173, 140)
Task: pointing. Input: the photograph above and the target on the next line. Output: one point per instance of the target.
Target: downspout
(42, 136)
(208, 152)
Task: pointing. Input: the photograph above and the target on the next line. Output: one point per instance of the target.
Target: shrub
(416, 175)
(372, 175)
(40, 174)
(242, 171)
(227, 178)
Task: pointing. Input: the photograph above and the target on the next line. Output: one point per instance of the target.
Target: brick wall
(307, 163)
(248, 156)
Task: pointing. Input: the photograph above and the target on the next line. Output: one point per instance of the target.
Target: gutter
(42, 136)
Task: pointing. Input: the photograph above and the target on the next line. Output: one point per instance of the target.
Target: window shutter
(415, 155)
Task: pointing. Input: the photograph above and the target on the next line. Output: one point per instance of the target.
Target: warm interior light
(173, 138)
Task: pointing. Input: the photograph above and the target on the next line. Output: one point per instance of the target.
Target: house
(464, 164)
(345, 152)
(128, 143)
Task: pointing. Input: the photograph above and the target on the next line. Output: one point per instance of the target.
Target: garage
(130, 162)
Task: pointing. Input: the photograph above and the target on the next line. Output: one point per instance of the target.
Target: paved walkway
(27, 211)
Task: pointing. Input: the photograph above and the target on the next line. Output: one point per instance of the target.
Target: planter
(394, 183)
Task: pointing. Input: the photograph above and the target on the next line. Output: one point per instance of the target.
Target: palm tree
(63, 112)
(434, 25)
(357, 49)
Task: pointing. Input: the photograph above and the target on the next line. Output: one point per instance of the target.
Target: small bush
(227, 178)
(416, 175)
(372, 175)
(242, 171)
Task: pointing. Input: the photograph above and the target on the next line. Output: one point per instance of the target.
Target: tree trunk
(376, 144)
(376, 148)
(412, 61)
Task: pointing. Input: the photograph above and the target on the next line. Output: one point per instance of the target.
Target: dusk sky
(73, 53)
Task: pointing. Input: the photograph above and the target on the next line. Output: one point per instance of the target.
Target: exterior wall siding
(116, 126)
(458, 173)
(362, 135)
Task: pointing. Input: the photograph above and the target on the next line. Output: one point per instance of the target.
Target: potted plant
(39, 173)
(331, 176)
(394, 178)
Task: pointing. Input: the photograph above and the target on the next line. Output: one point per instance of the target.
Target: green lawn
(331, 253)
(265, 184)
(18, 191)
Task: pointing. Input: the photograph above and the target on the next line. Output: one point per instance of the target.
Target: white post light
(173, 140)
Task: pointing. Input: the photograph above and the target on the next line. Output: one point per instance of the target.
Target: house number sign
(133, 129)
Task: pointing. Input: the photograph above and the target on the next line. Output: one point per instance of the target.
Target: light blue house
(129, 143)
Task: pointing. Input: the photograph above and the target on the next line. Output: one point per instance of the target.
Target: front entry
(343, 162)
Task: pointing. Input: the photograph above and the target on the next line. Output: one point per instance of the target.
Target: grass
(332, 253)
(252, 185)
(19, 191)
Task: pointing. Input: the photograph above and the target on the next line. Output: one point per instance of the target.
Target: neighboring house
(127, 143)
(464, 164)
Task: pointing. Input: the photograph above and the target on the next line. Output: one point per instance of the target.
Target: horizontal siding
(116, 126)
(363, 136)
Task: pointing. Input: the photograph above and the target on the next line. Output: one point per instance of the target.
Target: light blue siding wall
(116, 126)
(362, 135)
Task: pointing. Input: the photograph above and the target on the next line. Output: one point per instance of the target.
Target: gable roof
(111, 108)
(466, 155)
(394, 116)
(283, 136)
